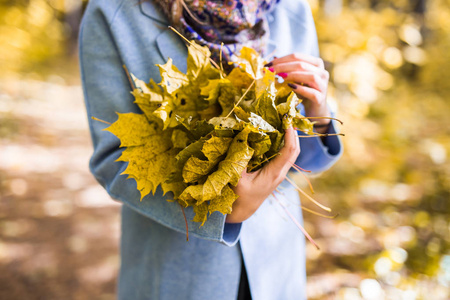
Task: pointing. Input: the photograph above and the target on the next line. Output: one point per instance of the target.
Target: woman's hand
(253, 188)
(308, 78)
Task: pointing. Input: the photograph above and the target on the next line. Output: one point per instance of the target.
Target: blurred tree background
(390, 68)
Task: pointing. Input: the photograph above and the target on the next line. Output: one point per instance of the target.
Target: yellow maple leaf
(172, 78)
(150, 162)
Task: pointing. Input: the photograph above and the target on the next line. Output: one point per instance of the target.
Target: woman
(156, 260)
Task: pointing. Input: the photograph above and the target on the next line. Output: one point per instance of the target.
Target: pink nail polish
(271, 70)
(282, 75)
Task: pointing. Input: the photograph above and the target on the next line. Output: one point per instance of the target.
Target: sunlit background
(390, 67)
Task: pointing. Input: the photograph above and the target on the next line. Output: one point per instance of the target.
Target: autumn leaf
(197, 60)
(303, 124)
(259, 123)
(251, 62)
(150, 162)
(224, 202)
(201, 213)
(266, 81)
(260, 142)
(216, 147)
(288, 111)
(223, 122)
(265, 107)
(180, 139)
(195, 168)
(194, 149)
(221, 91)
(229, 171)
(172, 78)
(240, 79)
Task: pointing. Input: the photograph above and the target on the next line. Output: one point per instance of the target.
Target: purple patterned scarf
(236, 23)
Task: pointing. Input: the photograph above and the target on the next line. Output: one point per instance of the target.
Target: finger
(294, 66)
(316, 61)
(313, 80)
(307, 93)
(277, 168)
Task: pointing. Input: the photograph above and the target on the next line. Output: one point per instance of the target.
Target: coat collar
(150, 9)
(168, 43)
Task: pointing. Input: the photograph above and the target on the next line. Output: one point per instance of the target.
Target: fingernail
(268, 65)
(292, 86)
(282, 75)
(272, 70)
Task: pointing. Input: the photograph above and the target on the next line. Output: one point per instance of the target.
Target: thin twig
(308, 196)
(307, 179)
(300, 168)
(309, 210)
(254, 80)
(318, 134)
(190, 43)
(129, 77)
(185, 220)
(317, 213)
(329, 118)
(220, 61)
(190, 14)
(97, 119)
(296, 222)
(263, 161)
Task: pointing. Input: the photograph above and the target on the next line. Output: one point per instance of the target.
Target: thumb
(280, 165)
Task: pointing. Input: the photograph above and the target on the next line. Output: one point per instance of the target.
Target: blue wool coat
(156, 260)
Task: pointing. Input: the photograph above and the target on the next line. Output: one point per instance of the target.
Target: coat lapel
(150, 9)
(168, 43)
(171, 45)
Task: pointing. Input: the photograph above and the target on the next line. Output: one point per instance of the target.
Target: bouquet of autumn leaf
(200, 130)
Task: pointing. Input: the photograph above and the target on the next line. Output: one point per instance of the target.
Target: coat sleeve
(317, 155)
(107, 91)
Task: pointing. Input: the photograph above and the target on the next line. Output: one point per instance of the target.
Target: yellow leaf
(215, 147)
(150, 162)
(197, 60)
(223, 203)
(229, 171)
(252, 63)
(172, 78)
(196, 168)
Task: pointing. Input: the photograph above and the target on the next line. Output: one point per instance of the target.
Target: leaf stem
(330, 118)
(186, 222)
(269, 158)
(242, 97)
(308, 196)
(97, 119)
(296, 222)
(129, 77)
(318, 134)
(300, 168)
(317, 213)
(304, 176)
(190, 43)
(190, 14)
(221, 64)
(310, 210)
